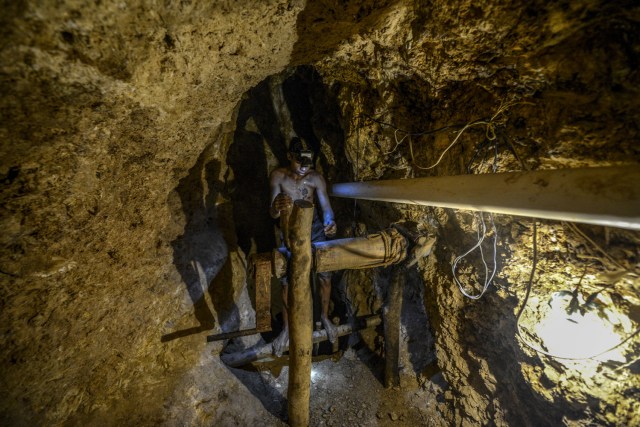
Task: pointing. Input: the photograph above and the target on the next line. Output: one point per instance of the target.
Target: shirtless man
(299, 181)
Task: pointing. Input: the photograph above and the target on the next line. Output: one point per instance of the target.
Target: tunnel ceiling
(128, 133)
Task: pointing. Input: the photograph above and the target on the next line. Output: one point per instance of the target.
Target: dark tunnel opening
(295, 103)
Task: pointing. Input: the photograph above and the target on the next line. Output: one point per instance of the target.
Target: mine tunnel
(481, 163)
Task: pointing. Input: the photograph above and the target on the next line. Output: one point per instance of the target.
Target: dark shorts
(317, 235)
(317, 230)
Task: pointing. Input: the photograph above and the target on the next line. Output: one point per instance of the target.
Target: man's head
(300, 155)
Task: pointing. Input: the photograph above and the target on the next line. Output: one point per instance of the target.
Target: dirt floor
(347, 390)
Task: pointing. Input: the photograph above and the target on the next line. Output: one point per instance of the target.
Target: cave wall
(567, 72)
(119, 247)
(116, 118)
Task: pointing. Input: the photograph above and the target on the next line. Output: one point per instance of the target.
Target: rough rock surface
(127, 197)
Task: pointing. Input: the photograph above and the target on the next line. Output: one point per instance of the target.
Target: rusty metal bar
(300, 314)
(606, 196)
(262, 351)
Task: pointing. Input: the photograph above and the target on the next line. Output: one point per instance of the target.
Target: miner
(300, 181)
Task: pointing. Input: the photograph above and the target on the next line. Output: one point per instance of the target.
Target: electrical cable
(490, 134)
(482, 226)
(576, 229)
(487, 278)
(395, 136)
(455, 140)
(428, 132)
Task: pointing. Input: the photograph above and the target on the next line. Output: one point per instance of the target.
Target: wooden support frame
(264, 351)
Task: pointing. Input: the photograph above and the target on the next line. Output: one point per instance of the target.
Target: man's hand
(282, 202)
(330, 228)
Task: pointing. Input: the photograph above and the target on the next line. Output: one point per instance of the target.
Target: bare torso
(293, 185)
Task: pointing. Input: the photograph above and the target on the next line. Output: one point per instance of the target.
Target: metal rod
(262, 351)
(300, 314)
(235, 334)
(605, 196)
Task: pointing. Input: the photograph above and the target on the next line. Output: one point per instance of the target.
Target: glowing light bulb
(579, 335)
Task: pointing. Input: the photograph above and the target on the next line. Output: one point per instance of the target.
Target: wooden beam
(375, 250)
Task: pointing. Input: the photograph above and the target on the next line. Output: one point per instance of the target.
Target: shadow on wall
(421, 346)
(263, 128)
(257, 130)
(261, 141)
(201, 252)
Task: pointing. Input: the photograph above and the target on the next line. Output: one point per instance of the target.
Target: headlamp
(304, 157)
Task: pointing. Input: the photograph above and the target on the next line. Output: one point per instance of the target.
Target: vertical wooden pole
(262, 279)
(300, 314)
(392, 313)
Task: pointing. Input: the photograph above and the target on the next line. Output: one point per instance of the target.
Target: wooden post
(300, 314)
(392, 313)
(262, 279)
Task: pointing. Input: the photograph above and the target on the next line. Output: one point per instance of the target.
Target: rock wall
(116, 118)
(558, 82)
(119, 248)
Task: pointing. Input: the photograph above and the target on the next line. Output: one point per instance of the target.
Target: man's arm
(330, 227)
(279, 200)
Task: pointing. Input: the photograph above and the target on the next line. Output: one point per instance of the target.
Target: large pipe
(300, 314)
(605, 196)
